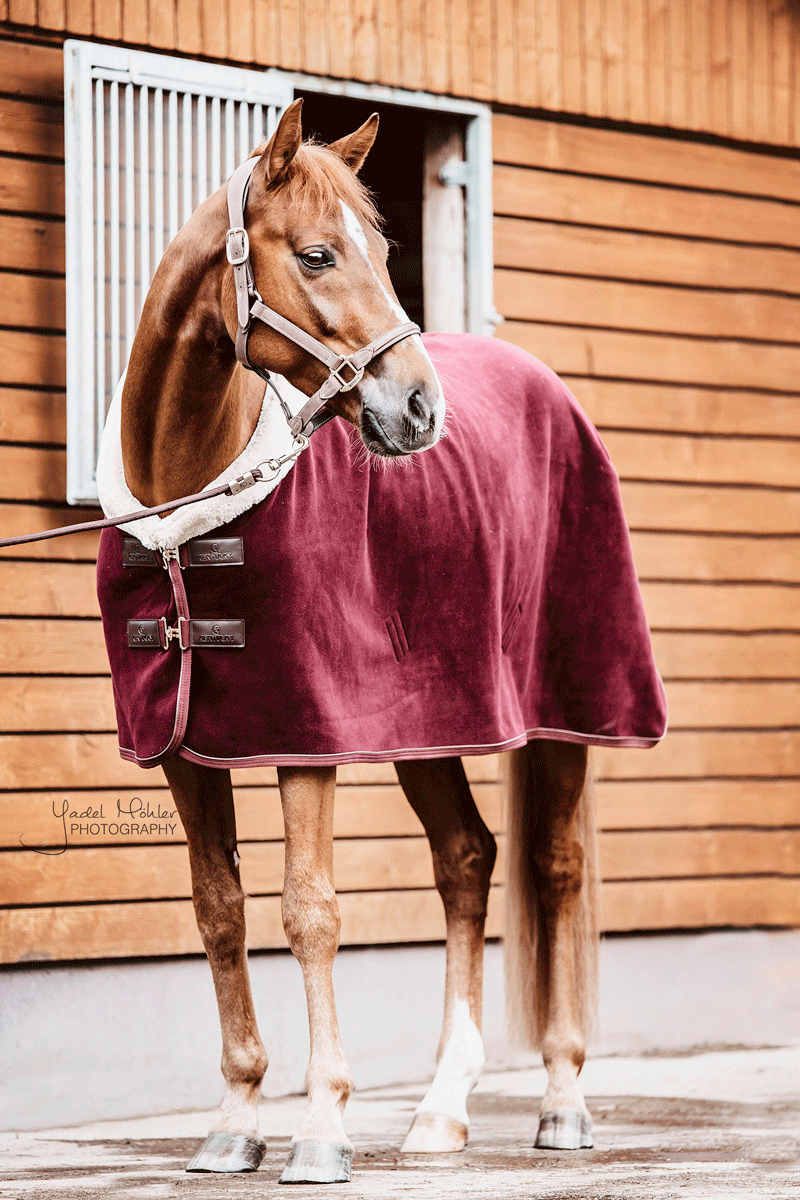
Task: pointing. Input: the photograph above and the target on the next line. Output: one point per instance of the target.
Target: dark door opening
(393, 172)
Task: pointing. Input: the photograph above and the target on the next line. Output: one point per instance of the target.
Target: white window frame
(84, 64)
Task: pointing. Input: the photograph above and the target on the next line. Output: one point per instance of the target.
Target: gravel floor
(712, 1124)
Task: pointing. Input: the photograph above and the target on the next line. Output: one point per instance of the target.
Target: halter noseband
(346, 370)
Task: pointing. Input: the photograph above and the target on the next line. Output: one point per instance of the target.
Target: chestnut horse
(188, 409)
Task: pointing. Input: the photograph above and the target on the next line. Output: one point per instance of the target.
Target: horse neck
(188, 408)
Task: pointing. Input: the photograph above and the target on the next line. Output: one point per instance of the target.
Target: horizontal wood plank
(114, 873)
(721, 753)
(32, 360)
(615, 304)
(696, 557)
(361, 811)
(32, 301)
(625, 404)
(618, 204)
(730, 606)
(27, 415)
(31, 128)
(647, 357)
(32, 473)
(69, 760)
(667, 458)
(565, 147)
(28, 186)
(586, 250)
(47, 589)
(40, 703)
(683, 655)
(717, 509)
(18, 519)
(31, 244)
(45, 647)
(376, 811)
(697, 803)
(700, 904)
(32, 70)
(154, 928)
(734, 703)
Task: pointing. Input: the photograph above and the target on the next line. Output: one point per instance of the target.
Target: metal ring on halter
(344, 384)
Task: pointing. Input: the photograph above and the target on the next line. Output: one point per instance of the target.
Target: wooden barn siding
(729, 67)
(701, 831)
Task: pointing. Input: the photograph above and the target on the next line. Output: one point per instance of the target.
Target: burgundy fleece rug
(478, 596)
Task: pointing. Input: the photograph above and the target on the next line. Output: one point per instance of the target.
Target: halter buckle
(346, 384)
(237, 257)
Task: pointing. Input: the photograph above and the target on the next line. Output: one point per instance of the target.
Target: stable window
(148, 137)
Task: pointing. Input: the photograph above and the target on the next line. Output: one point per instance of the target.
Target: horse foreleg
(321, 1151)
(464, 853)
(204, 800)
(561, 846)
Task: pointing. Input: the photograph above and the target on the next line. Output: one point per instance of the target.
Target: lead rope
(232, 488)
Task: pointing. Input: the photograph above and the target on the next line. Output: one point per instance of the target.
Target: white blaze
(355, 231)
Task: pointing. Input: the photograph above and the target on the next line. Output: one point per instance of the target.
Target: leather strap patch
(198, 552)
(227, 635)
(216, 552)
(134, 554)
(144, 635)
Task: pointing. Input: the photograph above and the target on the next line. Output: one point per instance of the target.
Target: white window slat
(148, 137)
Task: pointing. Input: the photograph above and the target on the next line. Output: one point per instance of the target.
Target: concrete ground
(703, 1125)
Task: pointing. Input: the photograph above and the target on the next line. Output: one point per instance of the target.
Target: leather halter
(346, 370)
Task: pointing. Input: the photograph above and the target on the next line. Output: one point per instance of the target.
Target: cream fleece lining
(271, 438)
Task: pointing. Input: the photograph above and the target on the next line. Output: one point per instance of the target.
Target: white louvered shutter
(148, 137)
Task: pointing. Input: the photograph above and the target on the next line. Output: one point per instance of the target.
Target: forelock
(319, 181)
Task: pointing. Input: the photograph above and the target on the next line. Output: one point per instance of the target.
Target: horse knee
(311, 919)
(463, 870)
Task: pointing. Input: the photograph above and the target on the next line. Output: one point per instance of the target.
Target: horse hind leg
(321, 1151)
(551, 939)
(463, 852)
(204, 800)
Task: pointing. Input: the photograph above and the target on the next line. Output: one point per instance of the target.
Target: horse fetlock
(329, 1089)
(245, 1065)
(564, 1052)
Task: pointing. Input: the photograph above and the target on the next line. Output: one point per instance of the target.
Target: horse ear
(355, 148)
(284, 143)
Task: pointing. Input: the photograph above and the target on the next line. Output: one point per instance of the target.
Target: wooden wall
(670, 304)
(728, 67)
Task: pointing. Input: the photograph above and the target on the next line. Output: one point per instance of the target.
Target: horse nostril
(419, 412)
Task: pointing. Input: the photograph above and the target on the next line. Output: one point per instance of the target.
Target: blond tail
(526, 950)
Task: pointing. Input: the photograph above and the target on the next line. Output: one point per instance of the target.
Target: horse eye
(315, 259)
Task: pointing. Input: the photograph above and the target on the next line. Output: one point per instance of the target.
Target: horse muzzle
(393, 430)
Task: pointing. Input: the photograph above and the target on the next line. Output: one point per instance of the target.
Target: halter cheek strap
(346, 370)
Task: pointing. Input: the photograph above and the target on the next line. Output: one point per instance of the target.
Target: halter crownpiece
(346, 370)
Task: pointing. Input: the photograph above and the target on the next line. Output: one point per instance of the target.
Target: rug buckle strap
(174, 631)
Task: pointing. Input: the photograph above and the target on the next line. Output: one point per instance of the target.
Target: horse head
(319, 259)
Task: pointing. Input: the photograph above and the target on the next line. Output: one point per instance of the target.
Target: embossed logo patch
(216, 552)
(144, 635)
(212, 634)
(134, 554)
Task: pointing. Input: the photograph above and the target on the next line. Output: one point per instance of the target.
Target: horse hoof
(434, 1133)
(228, 1152)
(564, 1129)
(317, 1162)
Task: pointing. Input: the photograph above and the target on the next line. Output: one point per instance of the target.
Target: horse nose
(419, 412)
